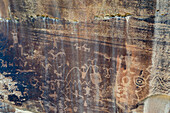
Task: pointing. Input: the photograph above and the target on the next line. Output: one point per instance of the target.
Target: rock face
(4, 11)
(62, 56)
(81, 10)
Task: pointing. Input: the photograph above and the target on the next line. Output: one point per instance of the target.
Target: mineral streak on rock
(93, 56)
(4, 11)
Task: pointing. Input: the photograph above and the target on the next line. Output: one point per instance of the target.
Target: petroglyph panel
(101, 64)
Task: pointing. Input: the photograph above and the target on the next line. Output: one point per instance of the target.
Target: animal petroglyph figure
(77, 46)
(84, 47)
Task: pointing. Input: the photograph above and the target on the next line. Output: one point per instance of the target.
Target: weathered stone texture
(75, 57)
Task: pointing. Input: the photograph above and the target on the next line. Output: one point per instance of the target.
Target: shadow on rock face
(6, 108)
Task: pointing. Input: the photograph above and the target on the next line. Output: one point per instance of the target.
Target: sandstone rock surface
(91, 56)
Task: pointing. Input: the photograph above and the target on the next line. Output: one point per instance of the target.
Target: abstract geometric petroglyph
(84, 56)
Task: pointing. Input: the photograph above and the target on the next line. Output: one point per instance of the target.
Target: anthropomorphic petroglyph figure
(15, 38)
